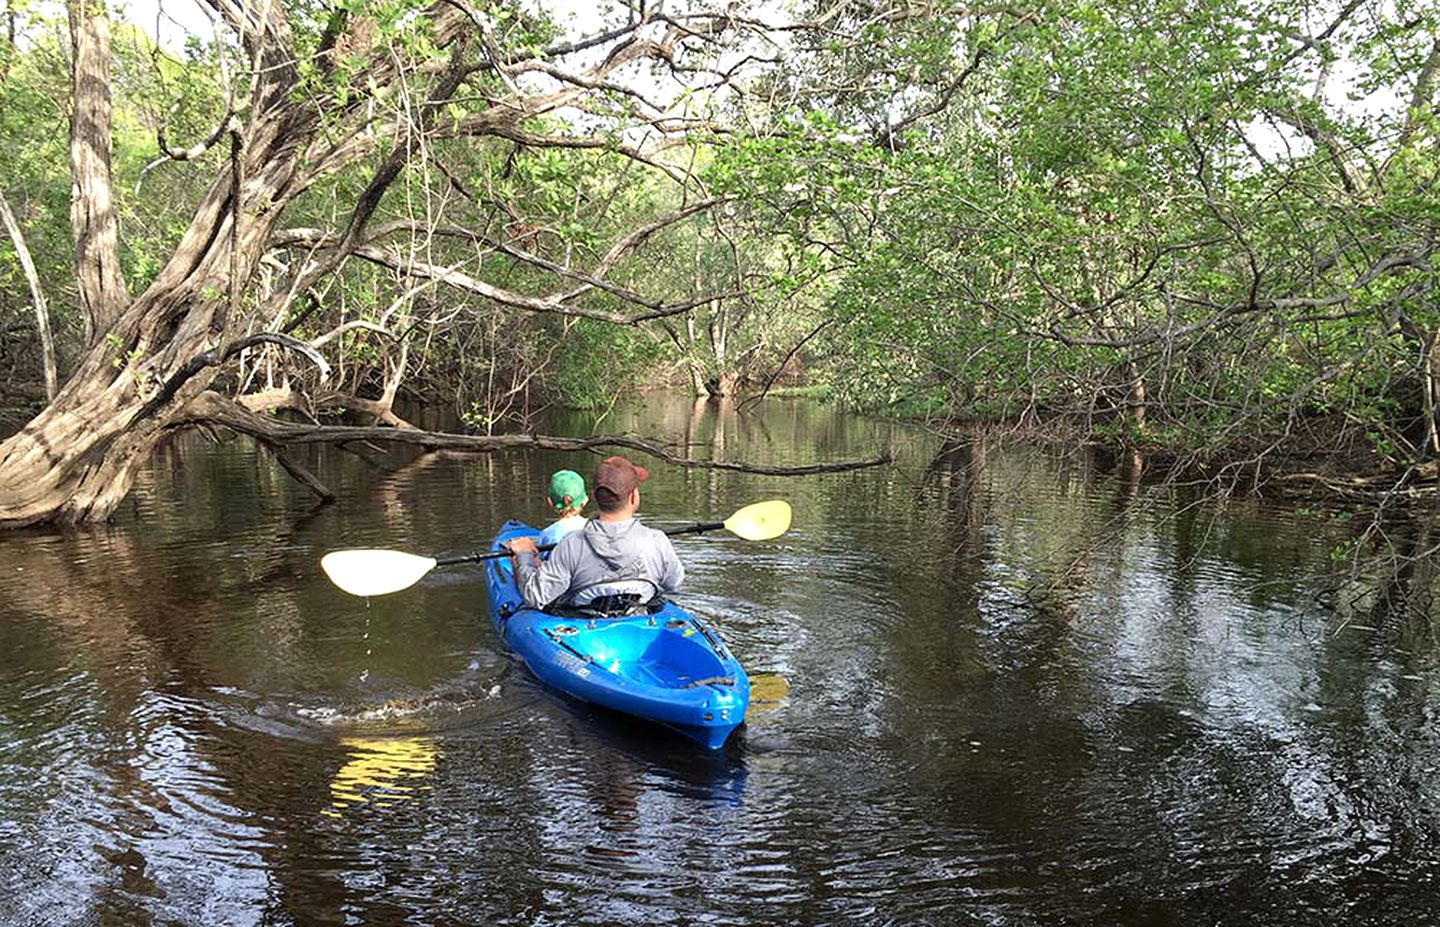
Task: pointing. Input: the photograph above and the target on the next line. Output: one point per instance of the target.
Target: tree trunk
(10, 16)
(1429, 346)
(1138, 401)
(93, 223)
(722, 385)
(697, 375)
(78, 458)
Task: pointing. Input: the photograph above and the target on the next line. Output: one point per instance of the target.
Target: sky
(171, 21)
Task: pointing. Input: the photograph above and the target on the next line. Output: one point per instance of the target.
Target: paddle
(380, 572)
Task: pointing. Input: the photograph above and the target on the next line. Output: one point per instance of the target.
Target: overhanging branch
(217, 356)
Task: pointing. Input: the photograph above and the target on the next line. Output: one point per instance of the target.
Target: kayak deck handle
(559, 641)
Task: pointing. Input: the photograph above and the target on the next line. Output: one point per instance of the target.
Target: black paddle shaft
(697, 529)
(479, 557)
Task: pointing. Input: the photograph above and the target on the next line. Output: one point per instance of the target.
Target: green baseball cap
(567, 490)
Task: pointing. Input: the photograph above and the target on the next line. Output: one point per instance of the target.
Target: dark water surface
(994, 687)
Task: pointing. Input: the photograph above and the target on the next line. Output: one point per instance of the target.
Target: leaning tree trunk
(78, 458)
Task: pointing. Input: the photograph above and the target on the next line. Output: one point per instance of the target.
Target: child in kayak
(567, 495)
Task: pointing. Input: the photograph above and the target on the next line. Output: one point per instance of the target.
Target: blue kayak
(663, 665)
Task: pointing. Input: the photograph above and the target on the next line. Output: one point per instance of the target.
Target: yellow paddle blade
(374, 572)
(761, 521)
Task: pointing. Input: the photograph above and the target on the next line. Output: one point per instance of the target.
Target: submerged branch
(215, 409)
(301, 473)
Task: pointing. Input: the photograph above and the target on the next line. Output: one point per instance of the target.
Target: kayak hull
(666, 666)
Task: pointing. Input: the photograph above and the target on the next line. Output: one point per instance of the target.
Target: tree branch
(555, 304)
(213, 408)
(780, 368)
(215, 358)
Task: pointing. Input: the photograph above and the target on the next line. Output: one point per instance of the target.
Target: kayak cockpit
(651, 659)
(674, 654)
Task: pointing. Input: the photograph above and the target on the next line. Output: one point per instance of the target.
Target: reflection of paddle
(383, 770)
(379, 572)
(768, 691)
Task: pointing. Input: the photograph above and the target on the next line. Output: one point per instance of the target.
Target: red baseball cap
(618, 477)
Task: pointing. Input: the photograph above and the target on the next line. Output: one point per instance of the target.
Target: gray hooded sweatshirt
(603, 558)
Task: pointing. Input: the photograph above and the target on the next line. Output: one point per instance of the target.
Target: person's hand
(523, 547)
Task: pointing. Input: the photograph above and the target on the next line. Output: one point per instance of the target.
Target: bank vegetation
(1201, 231)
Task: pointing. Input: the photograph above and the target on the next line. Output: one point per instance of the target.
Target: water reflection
(768, 692)
(991, 684)
(381, 771)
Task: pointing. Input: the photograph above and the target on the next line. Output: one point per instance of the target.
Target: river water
(994, 685)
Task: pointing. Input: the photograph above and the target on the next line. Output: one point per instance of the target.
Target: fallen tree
(278, 435)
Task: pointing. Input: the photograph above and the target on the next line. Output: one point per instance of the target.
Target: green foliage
(1121, 209)
(597, 362)
(1147, 220)
(34, 174)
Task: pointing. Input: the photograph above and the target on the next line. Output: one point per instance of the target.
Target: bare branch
(215, 358)
(346, 327)
(215, 409)
(555, 304)
(32, 278)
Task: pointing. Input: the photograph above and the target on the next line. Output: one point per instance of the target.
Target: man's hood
(612, 542)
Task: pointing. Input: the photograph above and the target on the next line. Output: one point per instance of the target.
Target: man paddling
(613, 558)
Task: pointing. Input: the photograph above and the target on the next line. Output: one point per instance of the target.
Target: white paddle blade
(374, 572)
(761, 521)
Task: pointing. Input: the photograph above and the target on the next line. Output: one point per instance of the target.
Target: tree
(37, 293)
(325, 111)
(1162, 225)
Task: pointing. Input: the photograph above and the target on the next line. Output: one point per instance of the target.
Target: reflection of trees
(954, 487)
(106, 614)
(1397, 569)
(1181, 730)
(157, 626)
